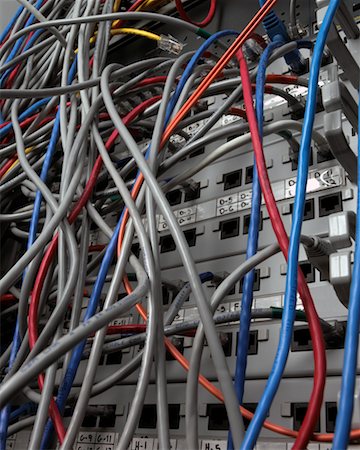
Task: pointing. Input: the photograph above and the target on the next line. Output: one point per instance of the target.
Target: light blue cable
(76, 355)
(346, 402)
(252, 242)
(293, 254)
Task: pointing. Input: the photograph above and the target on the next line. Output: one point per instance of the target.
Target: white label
(189, 211)
(213, 445)
(235, 306)
(142, 444)
(85, 437)
(318, 180)
(121, 321)
(228, 200)
(226, 209)
(105, 438)
(186, 220)
(84, 447)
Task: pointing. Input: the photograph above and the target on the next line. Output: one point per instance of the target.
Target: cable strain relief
(321, 247)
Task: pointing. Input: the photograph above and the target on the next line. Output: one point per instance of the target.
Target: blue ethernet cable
(274, 379)
(25, 409)
(252, 242)
(277, 32)
(346, 402)
(75, 358)
(191, 66)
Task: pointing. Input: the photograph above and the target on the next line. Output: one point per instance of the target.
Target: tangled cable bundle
(86, 148)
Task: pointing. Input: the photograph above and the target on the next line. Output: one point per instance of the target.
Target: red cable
(125, 329)
(203, 23)
(314, 407)
(50, 252)
(7, 298)
(7, 166)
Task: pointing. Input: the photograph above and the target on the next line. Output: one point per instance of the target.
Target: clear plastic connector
(170, 44)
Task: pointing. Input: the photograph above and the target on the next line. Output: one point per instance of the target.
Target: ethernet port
(174, 416)
(109, 418)
(232, 179)
(135, 248)
(198, 152)
(294, 160)
(322, 157)
(89, 421)
(309, 209)
(192, 193)
(190, 236)
(247, 223)
(148, 417)
(329, 204)
(178, 343)
(249, 172)
(174, 197)
(256, 286)
(253, 342)
(167, 244)
(301, 340)
(309, 271)
(218, 419)
(114, 358)
(330, 415)
(229, 228)
(165, 295)
(226, 343)
(298, 413)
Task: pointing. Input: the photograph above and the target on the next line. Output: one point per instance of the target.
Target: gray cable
(206, 317)
(27, 372)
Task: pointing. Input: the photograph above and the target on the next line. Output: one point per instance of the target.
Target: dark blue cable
(293, 253)
(27, 408)
(277, 32)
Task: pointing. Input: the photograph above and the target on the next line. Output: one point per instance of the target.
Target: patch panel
(213, 209)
